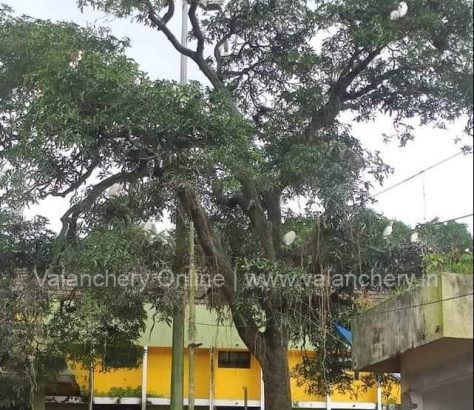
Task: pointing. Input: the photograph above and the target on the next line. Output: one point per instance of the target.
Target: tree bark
(276, 371)
(269, 348)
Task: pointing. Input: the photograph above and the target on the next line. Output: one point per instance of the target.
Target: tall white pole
(144, 377)
(379, 397)
(184, 41)
(328, 402)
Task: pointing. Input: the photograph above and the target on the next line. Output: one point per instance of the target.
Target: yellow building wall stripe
(229, 383)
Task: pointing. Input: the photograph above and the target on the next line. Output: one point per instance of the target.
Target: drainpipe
(144, 377)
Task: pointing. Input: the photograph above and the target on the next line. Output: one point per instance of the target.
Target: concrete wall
(438, 377)
(426, 334)
(441, 308)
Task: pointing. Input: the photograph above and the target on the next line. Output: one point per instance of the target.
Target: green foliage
(121, 392)
(243, 154)
(124, 392)
(27, 359)
(453, 262)
(445, 238)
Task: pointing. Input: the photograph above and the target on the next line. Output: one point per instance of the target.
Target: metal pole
(144, 377)
(91, 387)
(177, 365)
(184, 42)
(192, 318)
(246, 398)
(177, 361)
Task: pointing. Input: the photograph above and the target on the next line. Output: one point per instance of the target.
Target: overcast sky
(448, 188)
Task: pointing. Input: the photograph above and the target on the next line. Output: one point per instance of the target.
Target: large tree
(267, 132)
(292, 69)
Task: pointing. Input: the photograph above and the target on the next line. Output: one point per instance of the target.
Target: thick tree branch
(81, 180)
(161, 25)
(196, 28)
(326, 115)
(372, 86)
(246, 326)
(272, 203)
(254, 210)
(69, 219)
(346, 80)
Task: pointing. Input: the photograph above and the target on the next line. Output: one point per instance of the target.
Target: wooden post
(192, 318)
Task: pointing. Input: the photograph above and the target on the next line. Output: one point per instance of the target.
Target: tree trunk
(270, 348)
(276, 373)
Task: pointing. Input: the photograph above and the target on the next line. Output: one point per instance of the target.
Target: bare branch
(161, 25)
(372, 86)
(69, 219)
(81, 180)
(196, 28)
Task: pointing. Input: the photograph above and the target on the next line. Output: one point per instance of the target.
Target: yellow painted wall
(159, 372)
(105, 381)
(230, 383)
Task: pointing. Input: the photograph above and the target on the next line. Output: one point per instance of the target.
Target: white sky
(449, 188)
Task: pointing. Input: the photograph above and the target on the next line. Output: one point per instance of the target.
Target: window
(234, 360)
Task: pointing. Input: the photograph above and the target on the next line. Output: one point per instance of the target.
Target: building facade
(227, 376)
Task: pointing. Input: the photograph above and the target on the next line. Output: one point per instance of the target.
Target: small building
(227, 377)
(426, 334)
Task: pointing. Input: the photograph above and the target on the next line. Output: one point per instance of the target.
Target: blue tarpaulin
(345, 333)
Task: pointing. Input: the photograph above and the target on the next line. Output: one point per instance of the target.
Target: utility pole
(91, 386)
(192, 317)
(177, 361)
